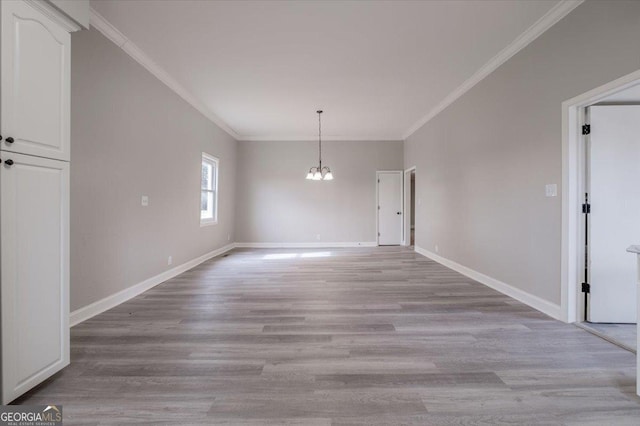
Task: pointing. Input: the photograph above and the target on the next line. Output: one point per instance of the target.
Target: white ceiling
(375, 67)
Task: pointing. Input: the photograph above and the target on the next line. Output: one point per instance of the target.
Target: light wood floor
(624, 335)
(360, 337)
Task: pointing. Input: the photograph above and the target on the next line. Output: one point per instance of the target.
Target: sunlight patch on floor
(280, 256)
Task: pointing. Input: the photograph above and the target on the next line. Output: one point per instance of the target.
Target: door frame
(573, 188)
(377, 212)
(406, 228)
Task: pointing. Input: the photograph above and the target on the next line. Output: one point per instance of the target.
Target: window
(209, 190)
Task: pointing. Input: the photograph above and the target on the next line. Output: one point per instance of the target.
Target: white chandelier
(319, 172)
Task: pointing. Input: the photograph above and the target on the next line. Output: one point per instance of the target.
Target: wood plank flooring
(624, 335)
(371, 336)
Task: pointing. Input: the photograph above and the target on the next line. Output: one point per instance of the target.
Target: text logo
(31, 415)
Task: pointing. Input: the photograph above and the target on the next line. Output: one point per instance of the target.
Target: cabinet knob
(8, 162)
(9, 140)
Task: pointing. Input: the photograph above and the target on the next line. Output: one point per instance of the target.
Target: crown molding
(314, 138)
(120, 40)
(55, 14)
(555, 14)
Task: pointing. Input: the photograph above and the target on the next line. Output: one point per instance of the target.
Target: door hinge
(378, 234)
(586, 208)
(586, 129)
(378, 207)
(586, 288)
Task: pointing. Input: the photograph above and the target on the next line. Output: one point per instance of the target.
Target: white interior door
(390, 208)
(614, 193)
(34, 223)
(35, 83)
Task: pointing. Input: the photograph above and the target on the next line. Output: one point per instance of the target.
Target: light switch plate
(551, 190)
(144, 200)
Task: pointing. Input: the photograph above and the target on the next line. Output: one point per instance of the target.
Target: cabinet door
(35, 83)
(34, 224)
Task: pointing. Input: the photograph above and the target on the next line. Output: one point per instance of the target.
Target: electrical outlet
(551, 190)
(169, 260)
(437, 249)
(318, 237)
(144, 200)
(228, 237)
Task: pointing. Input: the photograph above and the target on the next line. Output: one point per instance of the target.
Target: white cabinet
(34, 194)
(36, 53)
(34, 225)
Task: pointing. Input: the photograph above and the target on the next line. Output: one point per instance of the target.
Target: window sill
(208, 222)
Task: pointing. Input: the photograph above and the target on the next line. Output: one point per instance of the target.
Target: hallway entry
(409, 230)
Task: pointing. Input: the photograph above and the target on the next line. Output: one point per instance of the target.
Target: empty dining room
(287, 212)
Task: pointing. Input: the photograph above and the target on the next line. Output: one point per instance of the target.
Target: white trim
(559, 11)
(215, 162)
(98, 22)
(89, 311)
(207, 222)
(406, 220)
(535, 302)
(113, 34)
(377, 207)
(55, 14)
(307, 138)
(555, 14)
(307, 245)
(572, 254)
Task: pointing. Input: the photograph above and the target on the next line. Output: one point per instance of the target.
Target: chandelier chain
(320, 139)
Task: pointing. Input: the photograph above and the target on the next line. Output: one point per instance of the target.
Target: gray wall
(277, 204)
(131, 135)
(483, 162)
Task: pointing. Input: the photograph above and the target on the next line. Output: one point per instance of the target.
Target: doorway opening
(612, 204)
(389, 201)
(410, 207)
(601, 202)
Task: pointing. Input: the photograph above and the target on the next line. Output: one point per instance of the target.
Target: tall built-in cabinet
(34, 193)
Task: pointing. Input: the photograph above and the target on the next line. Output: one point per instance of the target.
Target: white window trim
(216, 161)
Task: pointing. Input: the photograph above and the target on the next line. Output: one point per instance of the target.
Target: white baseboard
(535, 302)
(307, 245)
(86, 312)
